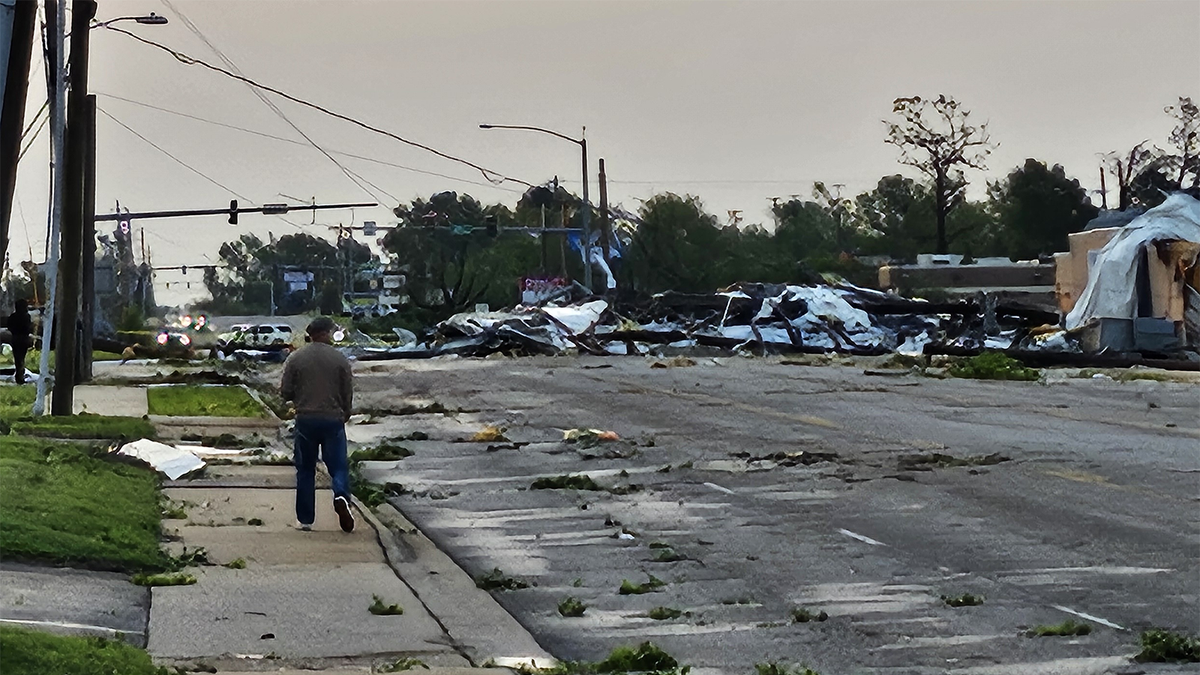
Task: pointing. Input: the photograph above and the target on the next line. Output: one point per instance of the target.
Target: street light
(587, 205)
(150, 19)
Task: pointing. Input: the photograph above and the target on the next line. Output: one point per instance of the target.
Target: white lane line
(66, 624)
(868, 540)
(718, 488)
(1089, 617)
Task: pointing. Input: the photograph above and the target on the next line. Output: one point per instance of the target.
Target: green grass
(29, 652)
(665, 613)
(380, 608)
(1161, 646)
(191, 400)
(33, 358)
(65, 505)
(177, 579)
(644, 658)
(994, 366)
(572, 607)
(1064, 629)
(85, 427)
(774, 668)
(16, 401)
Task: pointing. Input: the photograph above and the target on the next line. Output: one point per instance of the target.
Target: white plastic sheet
(1111, 290)
(168, 460)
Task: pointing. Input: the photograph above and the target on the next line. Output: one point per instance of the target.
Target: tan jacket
(318, 379)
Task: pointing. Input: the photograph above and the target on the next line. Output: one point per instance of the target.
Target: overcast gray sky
(734, 102)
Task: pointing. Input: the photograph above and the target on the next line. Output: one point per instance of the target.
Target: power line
(295, 142)
(187, 60)
(262, 97)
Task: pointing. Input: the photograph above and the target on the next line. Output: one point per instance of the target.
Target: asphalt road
(1086, 509)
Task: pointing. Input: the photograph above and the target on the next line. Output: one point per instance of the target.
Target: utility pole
(82, 12)
(605, 231)
(587, 217)
(88, 307)
(1103, 190)
(56, 15)
(15, 85)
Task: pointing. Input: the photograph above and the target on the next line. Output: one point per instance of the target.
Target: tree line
(455, 252)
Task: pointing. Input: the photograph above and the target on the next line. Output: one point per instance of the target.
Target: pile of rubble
(767, 318)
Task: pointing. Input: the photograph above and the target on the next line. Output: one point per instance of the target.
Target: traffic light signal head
(233, 211)
(493, 227)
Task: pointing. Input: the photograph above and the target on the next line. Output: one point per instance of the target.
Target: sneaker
(345, 517)
(306, 527)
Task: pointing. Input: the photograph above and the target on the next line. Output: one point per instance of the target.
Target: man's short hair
(321, 324)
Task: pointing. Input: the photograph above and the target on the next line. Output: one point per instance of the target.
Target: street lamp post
(587, 205)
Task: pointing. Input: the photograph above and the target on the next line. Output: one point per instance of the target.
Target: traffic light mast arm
(231, 211)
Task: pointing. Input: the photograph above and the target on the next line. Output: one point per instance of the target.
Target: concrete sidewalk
(302, 600)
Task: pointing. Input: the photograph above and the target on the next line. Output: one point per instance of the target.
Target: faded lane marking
(718, 488)
(1089, 617)
(855, 535)
(803, 419)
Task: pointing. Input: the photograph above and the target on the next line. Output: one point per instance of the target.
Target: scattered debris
(490, 434)
(566, 482)
(630, 588)
(379, 608)
(587, 438)
(571, 607)
(964, 600)
(142, 579)
(674, 362)
(236, 564)
(805, 615)
(497, 581)
(790, 459)
(937, 460)
(402, 665)
(665, 613)
(1163, 646)
(1064, 629)
(171, 461)
(774, 668)
(255, 522)
(667, 555)
(386, 451)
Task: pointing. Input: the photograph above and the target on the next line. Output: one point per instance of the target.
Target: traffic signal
(233, 212)
(493, 228)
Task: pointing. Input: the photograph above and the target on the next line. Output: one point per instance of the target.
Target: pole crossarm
(266, 208)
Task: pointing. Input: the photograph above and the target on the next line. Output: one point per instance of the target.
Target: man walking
(317, 379)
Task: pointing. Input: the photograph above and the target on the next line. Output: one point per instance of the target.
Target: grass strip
(192, 400)
(28, 652)
(68, 504)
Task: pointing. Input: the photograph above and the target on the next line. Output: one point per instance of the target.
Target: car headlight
(162, 338)
(185, 340)
(339, 335)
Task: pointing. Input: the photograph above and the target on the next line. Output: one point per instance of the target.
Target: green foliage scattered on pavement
(964, 600)
(84, 427)
(1066, 628)
(370, 494)
(937, 460)
(194, 400)
(566, 482)
(496, 580)
(1162, 646)
(667, 555)
(804, 615)
(571, 606)
(644, 658)
(994, 366)
(27, 652)
(630, 588)
(775, 668)
(173, 510)
(380, 608)
(665, 613)
(384, 452)
(69, 504)
(236, 564)
(174, 579)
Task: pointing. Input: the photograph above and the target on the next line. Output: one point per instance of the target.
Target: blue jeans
(329, 437)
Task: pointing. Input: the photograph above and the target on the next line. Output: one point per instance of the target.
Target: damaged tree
(935, 137)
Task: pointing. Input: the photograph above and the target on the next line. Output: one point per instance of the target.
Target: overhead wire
(295, 142)
(262, 97)
(491, 176)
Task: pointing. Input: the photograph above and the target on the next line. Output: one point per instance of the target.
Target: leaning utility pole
(56, 14)
(65, 353)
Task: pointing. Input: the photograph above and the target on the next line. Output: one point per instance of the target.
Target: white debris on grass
(169, 460)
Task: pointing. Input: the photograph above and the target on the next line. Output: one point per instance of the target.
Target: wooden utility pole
(12, 107)
(62, 402)
(88, 301)
(1103, 190)
(605, 224)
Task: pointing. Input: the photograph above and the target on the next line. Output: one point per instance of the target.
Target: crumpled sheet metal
(169, 460)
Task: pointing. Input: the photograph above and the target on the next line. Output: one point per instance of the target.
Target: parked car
(257, 335)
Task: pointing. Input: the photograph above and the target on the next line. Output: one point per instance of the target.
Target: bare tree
(1186, 138)
(1127, 167)
(935, 136)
